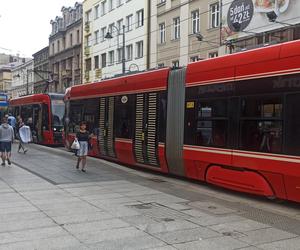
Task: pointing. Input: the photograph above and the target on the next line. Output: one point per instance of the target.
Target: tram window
(264, 107)
(91, 114)
(261, 136)
(292, 125)
(124, 115)
(45, 114)
(26, 113)
(162, 120)
(207, 123)
(76, 110)
(261, 124)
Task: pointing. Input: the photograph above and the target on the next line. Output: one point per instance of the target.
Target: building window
(71, 39)
(110, 5)
(139, 49)
(111, 57)
(176, 27)
(162, 1)
(175, 64)
(103, 33)
(194, 59)
(140, 18)
(96, 36)
(129, 52)
(58, 46)
(97, 11)
(160, 65)
(129, 22)
(53, 50)
(78, 37)
(214, 10)
(119, 3)
(88, 64)
(96, 62)
(120, 24)
(119, 54)
(88, 16)
(88, 40)
(103, 60)
(195, 22)
(103, 8)
(110, 28)
(162, 33)
(213, 54)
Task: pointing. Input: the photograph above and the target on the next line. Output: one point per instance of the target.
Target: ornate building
(41, 69)
(65, 49)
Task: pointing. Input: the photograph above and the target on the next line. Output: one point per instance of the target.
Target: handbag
(75, 145)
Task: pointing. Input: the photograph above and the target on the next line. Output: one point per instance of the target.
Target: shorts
(5, 146)
(83, 151)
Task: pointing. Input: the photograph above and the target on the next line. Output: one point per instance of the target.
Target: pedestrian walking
(20, 125)
(6, 139)
(83, 138)
(12, 122)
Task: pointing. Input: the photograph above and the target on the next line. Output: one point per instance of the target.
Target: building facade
(103, 56)
(5, 79)
(41, 70)
(22, 79)
(65, 49)
(183, 31)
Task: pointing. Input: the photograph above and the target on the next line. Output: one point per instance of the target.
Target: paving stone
(210, 220)
(25, 224)
(163, 248)
(76, 229)
(167, 226)
(20, 216)
(110, 235)
(239, 226)
(212, 208)
(67, 242)
(134, 243)
(224, 243)
(289, 244)
(32, 234)
(265, 235)
(82, 217)
(181, 236)
(12, 210)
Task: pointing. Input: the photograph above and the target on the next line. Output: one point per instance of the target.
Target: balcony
(66, 74)
(77, 72)
(87, 51)
(87, 75)
(98, 73)
(87, 27)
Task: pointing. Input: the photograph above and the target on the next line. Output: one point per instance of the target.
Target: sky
(25, 24)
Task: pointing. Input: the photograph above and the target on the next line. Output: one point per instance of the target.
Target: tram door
(146, 134)
(37, 123)
(106, 139)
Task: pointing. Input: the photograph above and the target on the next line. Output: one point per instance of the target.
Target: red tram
(44, 113)
(232, 121)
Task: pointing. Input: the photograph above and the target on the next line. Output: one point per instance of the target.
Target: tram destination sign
(240, 14)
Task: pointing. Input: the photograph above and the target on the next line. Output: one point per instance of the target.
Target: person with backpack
(7, 137)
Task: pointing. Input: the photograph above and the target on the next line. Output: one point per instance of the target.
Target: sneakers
(3, 164)
(8, 161)
(25, 151)
(83, 170)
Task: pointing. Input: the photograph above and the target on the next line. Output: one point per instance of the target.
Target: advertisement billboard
(241, 17)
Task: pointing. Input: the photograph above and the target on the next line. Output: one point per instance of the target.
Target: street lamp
(109, 36)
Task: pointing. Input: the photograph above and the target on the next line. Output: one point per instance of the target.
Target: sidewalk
(47, 204)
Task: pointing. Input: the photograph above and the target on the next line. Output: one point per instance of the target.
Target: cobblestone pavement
(45, 203)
